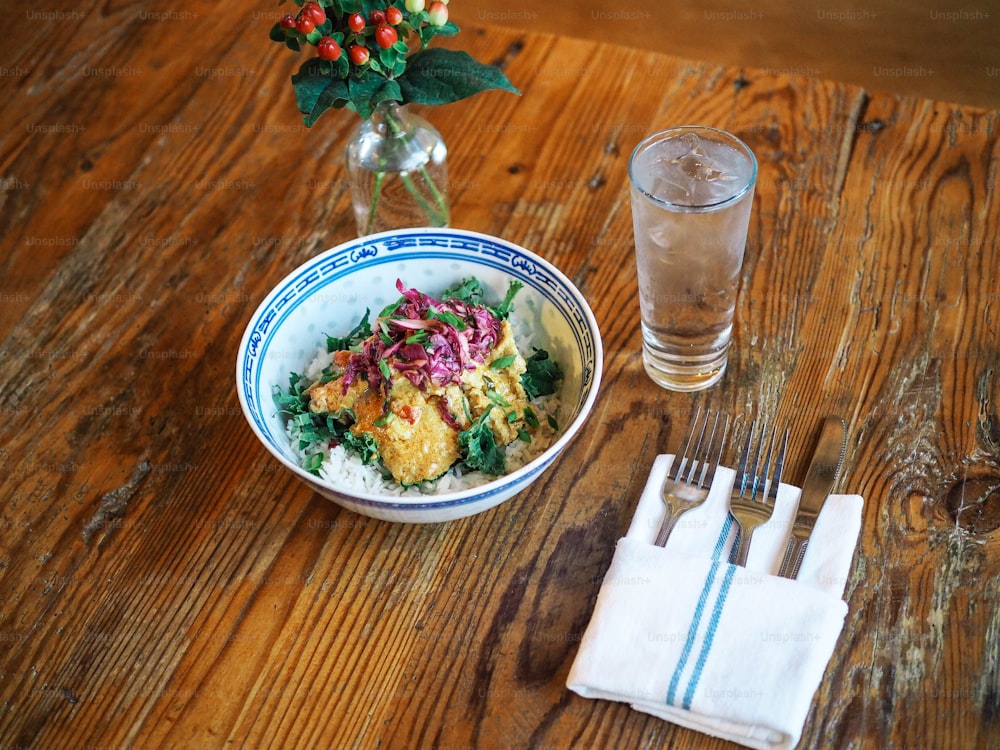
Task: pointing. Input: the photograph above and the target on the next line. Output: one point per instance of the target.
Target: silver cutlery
(820, 478)
(687, 487)
(751, 502)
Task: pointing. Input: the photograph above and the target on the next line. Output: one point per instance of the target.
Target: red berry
(385, 36)
(356, 22)
(376, 17)
(288, 22)
(314, 12)
(304, 24)
(328, 49)
(393, 15)
(358, 54)
(437, 13)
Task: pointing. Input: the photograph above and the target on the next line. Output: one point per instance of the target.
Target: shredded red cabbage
(429, 341)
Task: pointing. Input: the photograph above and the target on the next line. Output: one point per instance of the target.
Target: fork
(744, 506)
(683, 492)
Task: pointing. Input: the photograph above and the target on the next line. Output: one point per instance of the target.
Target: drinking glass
(692, 190)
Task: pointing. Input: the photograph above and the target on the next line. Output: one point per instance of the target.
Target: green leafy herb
(388, 310)
(479, 447)
(449, 318)
(353, 339)
(312, 428)
(468, 290)
(363, 445)
(494, 396)
(502, 363)
(312, 462)
(295, 400)
(503, 310)
(541, 374)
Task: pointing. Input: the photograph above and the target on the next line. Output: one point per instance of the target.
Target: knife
(820, 478)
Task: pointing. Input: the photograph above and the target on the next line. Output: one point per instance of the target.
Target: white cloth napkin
(733, 652)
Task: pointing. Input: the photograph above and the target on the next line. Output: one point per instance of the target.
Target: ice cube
(697, 165)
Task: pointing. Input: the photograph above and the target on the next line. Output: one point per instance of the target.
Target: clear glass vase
(397, 163)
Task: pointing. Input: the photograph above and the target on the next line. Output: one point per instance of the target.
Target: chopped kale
(352, 340)
(479, 447)
(469, 291)
(541, 375)
(362, 445)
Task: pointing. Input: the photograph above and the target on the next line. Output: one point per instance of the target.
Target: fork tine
(680, 497)
(709, 465)
(741, 469)
(753, 509)
(762, 477)
(692, 429)
(697, 448)
(779, 465)
(700, 462)
(756, 462)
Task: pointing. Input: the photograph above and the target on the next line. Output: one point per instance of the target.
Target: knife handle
(794, 554)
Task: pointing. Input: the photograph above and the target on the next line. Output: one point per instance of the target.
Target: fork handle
(743, 546)
(669, 521)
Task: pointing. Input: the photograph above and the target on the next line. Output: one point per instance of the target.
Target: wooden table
(164, 583)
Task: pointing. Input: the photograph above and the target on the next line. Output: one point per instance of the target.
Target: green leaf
(353, 339)
(469, 290)
(312, 462)
(480, 448)
(442, 76)
(316, 90)
(503, 310)
(501, 363)
(363, 445)
(540, 375)
(368, 92)
(447, 317)
(448, 29)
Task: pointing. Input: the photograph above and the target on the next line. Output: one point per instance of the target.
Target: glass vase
(397, 164)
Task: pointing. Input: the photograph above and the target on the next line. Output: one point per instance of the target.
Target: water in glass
(691, 199)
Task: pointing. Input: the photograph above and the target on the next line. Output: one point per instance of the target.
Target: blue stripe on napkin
(696, 622)
(692, 632)
(713, 625)
(720, 544)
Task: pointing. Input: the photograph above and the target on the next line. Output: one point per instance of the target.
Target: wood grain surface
(164, 583)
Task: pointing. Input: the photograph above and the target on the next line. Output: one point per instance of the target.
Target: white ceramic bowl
(330, 293)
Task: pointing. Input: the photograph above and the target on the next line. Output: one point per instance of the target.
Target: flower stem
(438, 213)
(373, 208)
